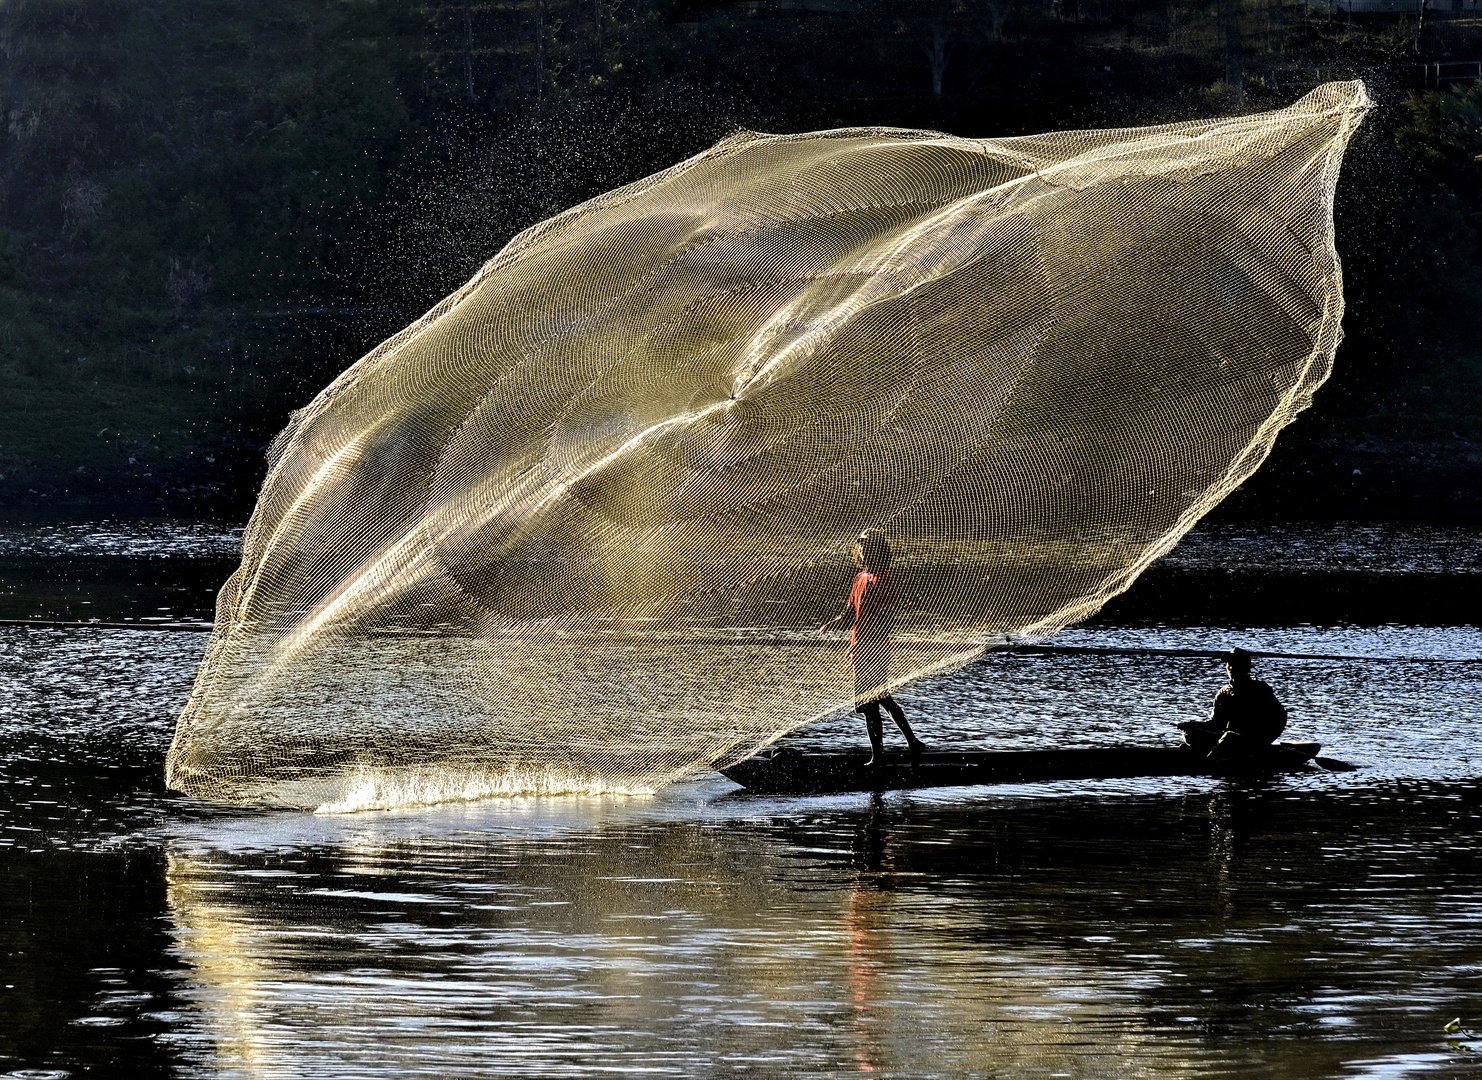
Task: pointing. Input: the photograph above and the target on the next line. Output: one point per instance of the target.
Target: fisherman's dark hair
(874, 549)
(1239, 659)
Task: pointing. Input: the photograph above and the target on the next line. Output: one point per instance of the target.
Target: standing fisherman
(871, 606)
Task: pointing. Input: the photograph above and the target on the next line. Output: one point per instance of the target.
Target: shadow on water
(87, 964)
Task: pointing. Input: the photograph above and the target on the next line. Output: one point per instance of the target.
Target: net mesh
(572, 529)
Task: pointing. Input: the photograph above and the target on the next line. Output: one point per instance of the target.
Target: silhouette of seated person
(1246, 716)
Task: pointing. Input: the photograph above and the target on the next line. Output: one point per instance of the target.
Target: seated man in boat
(1246, 715)
(871, 607)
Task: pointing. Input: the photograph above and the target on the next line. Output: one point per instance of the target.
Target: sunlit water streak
(1387, 547)
(1376, 547)
(135, 539)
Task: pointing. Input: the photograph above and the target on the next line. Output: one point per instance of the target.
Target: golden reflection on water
(221, 943)
(569, 937)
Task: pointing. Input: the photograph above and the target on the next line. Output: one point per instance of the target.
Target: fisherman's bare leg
(1200, 735)
(899, 716)
(1232, 745)
(875, 728)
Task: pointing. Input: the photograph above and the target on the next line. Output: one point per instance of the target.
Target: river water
(1310, 926)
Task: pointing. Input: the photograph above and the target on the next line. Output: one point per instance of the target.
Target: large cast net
(571, 530)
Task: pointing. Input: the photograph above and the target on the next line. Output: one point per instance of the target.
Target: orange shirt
(872, 596)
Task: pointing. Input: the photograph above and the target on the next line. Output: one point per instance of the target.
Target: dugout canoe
(785, 771)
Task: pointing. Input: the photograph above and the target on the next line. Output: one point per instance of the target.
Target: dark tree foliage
(1444, 143)
(210, 207)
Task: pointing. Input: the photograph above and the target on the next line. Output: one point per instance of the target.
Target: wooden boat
(793, 772)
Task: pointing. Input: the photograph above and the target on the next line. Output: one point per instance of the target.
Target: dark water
(1305, 927)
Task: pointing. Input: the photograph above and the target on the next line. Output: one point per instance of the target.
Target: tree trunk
(937, 56)
(468, 55)
(539, 86)
(1230, 12)
(998, 13)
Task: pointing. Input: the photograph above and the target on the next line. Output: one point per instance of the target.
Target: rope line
(1215, 654)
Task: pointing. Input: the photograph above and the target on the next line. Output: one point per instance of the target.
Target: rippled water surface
(1311, 926)
(1384, 547)
(145, 540)
(1389, 548)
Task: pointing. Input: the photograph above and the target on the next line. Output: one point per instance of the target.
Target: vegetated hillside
(208, 208)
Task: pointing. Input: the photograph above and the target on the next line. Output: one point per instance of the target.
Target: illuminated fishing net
(570, 530)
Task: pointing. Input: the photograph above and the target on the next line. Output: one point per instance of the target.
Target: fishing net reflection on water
(568, 531)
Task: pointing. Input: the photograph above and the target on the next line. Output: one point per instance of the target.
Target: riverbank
(1363, 479)
(1221, 574)
(1333, 479)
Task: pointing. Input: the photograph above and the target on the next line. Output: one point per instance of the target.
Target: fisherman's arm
(838, 621)
(1275, 708)
(1220, 713)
